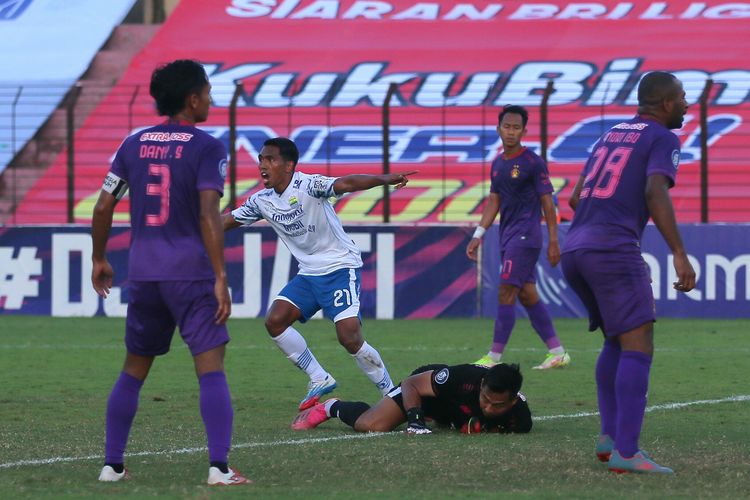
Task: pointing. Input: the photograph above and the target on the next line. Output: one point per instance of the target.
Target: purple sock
(631, 386)
(217, 413)
(506, 318)
(542, 324)
(121, 408)
(606, 373)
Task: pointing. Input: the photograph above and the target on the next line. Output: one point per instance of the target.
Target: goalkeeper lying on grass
(466, 397)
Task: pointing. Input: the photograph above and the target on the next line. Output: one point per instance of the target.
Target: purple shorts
(156, 307)
(615, 287)
(517, 265)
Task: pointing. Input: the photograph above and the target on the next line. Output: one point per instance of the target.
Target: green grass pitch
(57, 374)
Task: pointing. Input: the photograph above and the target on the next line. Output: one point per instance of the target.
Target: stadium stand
(453, 72)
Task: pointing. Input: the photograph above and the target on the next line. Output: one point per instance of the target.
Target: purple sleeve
(664, 157)
(493, 174)
(542, 183)
(212, 169)
(118, 165)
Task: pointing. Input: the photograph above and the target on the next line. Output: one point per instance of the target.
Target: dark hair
(174, 82)
(656, 86)
(287, 148)
(504, 377)
(516, 110)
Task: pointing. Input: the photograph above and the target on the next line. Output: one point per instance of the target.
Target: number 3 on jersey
(605, 179)
(161, 171)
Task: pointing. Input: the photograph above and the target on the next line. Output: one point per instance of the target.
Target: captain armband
(115, 186)
(479, 232)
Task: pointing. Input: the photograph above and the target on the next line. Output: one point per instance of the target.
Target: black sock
(116, 467)
(349, 411)
(222, 466)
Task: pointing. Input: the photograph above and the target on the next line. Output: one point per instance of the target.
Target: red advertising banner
(318, 72)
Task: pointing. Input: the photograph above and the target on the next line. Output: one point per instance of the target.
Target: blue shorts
(336, 293)
(156, 307)
(615, 287)
(518, 265)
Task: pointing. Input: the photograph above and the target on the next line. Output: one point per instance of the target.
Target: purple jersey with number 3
(520, 181)
(166, 167)
(612, 210)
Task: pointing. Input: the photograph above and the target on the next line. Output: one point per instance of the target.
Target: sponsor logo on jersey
(288, 217)
(442, 376)
(319, 185)
(293, 200)
(631, 126)
(166, 136)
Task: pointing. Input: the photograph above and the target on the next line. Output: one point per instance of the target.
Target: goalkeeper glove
(473, 426)
(415, 417)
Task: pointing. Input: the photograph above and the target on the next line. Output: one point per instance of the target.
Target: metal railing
(449, 137)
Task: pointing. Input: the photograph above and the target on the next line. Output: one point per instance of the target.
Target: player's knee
(508, 294)
(275, 324)
(352, 343)
(364, 424)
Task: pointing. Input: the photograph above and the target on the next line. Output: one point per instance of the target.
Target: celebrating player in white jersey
(296, 205)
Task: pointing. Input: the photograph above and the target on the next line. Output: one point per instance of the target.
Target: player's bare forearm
(212, 231)
(101, 224)
(415, 387)
(662, 212)
(362, 182)
(228, 222)
(491, 208)
(576, 196)
(490, 211)
(550, 217)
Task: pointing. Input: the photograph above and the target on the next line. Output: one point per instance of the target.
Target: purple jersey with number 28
(166, 167)
(612, 210)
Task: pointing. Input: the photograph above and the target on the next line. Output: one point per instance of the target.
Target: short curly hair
(172, 83)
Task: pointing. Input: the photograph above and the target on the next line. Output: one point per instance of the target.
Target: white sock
(495, 356)
(557, 350)
(369, 361)
(327, 405)
(293, 344)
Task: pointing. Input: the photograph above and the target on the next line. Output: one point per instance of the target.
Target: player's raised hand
(685, 273)
(101, 277)
(402, 179)
(224, 309)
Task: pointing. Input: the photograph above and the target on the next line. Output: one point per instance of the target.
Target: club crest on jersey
(676, 158)
(293, 201)
(223, 168)
(442, 376)
(515, 171)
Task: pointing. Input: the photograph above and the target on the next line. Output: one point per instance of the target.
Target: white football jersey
(305, 221)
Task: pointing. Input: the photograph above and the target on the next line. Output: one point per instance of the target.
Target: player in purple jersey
(626, 180)
(175, 173)
(521, 191)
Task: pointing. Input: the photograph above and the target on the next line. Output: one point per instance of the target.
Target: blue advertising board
(409, 272)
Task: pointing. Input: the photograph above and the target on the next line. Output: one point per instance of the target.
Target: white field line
(54, 460)
(417, 348)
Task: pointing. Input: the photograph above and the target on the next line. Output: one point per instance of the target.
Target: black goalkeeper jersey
(457, 400)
